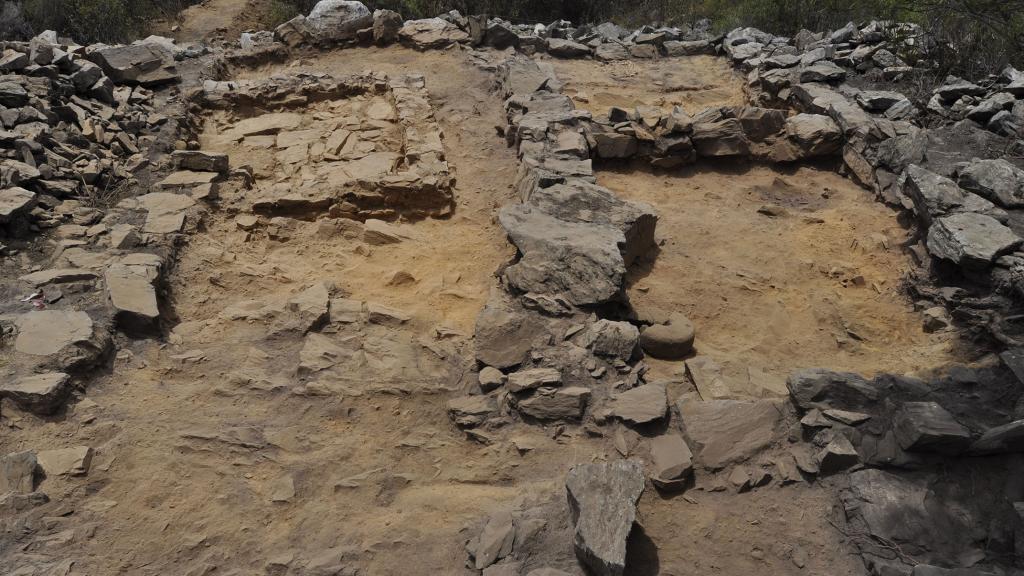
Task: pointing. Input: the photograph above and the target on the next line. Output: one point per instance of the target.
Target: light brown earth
(695, 83)
(819, 286)
(197, 436)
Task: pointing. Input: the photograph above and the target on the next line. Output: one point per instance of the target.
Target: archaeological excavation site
(367, 296)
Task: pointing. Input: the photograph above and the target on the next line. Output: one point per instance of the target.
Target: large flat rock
(729, 431)
(970, 240)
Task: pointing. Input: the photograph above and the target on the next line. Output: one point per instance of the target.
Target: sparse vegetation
(974, 36)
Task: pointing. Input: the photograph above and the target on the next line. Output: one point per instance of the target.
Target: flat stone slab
(131, 285)
(39, 393)
(642, 404)
(15, 201)
(58, 276)
(729, 431)
(66, 461)
(47, 332)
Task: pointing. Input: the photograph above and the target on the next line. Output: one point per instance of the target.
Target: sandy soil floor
(695, 83)
(818, 284)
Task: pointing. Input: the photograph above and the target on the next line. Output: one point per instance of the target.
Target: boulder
(729, 431)
(934, 196)
(994, 179)
(602, 501)
(40, 393)
(504, 334)
(386, 24)
(642, 404)
(13, 95)
(430, 34)
(671, 460)
(970, 240)
(611, 51)
(991, 106)
(614, 145)
(143, 64)
(720, 138)
(578, 262)
(333, 21)
(556, 404)
(562, 48)
(670, 341)
(814, 134)
(928, 427)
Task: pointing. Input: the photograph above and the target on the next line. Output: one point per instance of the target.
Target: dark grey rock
(822, 71)
(562, 48)
(825, 389)
(642, 404)
(39, 393)
(970, 240)
(994, 179)
(602, 500)
(928, 427)
(618, 340)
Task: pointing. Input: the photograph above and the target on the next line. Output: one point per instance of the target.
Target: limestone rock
(970, 240)
(602, 499)
(642, 404)
(928, 427)
(824, 389)
(337, 20)
(39, 393)
(934, 196)
(144, 64)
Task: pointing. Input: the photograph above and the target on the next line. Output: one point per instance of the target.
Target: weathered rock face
(642, 404)
(60, 339)
(928, 427)
(602, 499)
(729, 431)
(39, 393)
(996, 180)
(430, 34)
(143, 64)
(555, 403)
(934, 196)
(970, 240)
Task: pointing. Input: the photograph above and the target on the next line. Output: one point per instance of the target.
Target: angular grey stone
(143, 64)
(970, 240)
(886, 59)
(431, 33)
(824, 389)
(470, 411)
(131, 283)
(495, 540)
(386, 24)
(687, 47)
(934, 196)
(1003, 439)
(602, 499)
(990, 106)
(13, 95)
(672, 461)
(642, 404)
(39, 393)
(879, 100)
(503, 336)
(814, 134)
(955, 88)
(928, 427)
(614, 145)
(611, 51)
(997, 180)
(837, 456)
(17, 472)
(489, 378)
(720, 138)
(562, 48)
(613, 339)
(14, 203)
(729, 431)
(200, 161)
(48, 332)
(58, 276)
(822, 71)
(500, 35)
(73, 461)
(524, 380)
(556, 404)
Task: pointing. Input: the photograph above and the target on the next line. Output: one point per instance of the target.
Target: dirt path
(203, 20)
